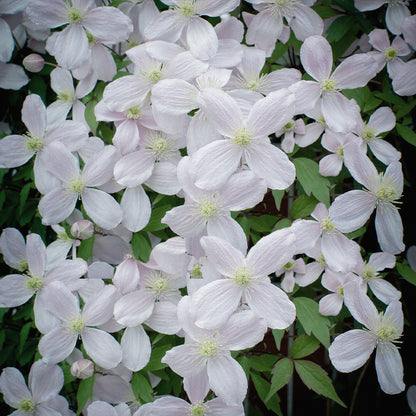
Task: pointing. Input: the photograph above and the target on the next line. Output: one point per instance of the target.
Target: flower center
(63, 236)
(327, 225)
(289, 265)
(369, 272)
(289, 126)
(207, 349)
(34, 283)
(76, 185)
(340, 292)
(198, 410)
(328, 85)
(74, 14)
(66, 96)
(253, 84)
(207, 209)
(155, 75)
(321, 259)
(196, 271)
(390, 54)
(242, 137)
(160, 285)
(23, 265)
(242, 276)
(386, 193)
(34, 144)
(27, 405)
(186, 8)
(340, 152)
(133, 113)
(369, 133)
(386, 333)
(76, 325)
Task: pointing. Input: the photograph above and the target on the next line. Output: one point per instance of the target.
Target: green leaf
(263, 362)
(24, 333)
(303, 346)
(407, 273)
(317, 380)
(141, 246)
(84, 393)
(24, 193)
(278, 196)
(325, 11)
(390, 97)
(307, 311)
(307, 172)
(339, 27)
(262, 387)
(156, 357)
(278, 334)
(142, 388)
(406, 133)
(283, 223)
(90, 116)
(245, 363)
(303, 206)
(85, 249)
(282, 372)
(264, 223)
(154, 222)
(364, 97)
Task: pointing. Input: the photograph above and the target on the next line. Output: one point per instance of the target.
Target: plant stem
(357, 386)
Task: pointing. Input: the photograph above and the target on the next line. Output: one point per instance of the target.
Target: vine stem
(357, 386)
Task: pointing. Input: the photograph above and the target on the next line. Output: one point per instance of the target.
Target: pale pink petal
(215, 163)
(306, 22)
(57, 344)
(271, 164)
(164, 319)
(355, 71)
(351, 350)
(185, 66)
(316, 57)
(384, 290)
(134, 308)
(384, 151)
(351, 210)
(381, 261)
(71, 47)
(227, 379)
(184, 221)
(61, 81)
(389, 228)
(271, 113)
(313, 271)
(167, 26)
(101, 347)
(103, 209)
(185, 360)
(201, 38)
(280, 78)
(12, 76)
(14, 151)
(395, 15)
(127, 136)
(330, 305)
(379, 39)
(50, 15)
(339, 112)
(215, 302)
(108, 24)
(330, 165)
(136, 208)
(36, 255)
(99, 308)
(389, 367)
(196, 387)
(243, 330)
(13, 387)
(99, 170)
(45, 380)
(226, 257)
(164, 179)
(34, 115)
(270, 303)
(13, 247)
(14, 290)
(134, 169)
(307, 94)
(57, 205)
(136, 347)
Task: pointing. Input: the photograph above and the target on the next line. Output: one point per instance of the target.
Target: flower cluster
(167, 131)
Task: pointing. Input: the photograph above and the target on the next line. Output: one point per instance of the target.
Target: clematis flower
(351, 210)
(58, 204)
(245, 279)
(41, 398)
(354, 72)
(351, 350)
(206, 356)
(59, 343)
(245, 138)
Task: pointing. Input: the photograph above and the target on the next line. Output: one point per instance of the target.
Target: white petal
(136, 347)
(136, 208)
(389, 367)
(389, 229)
(201, 38)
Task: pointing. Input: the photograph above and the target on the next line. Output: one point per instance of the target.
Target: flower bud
(82, 229)
(82, 369)
(33, 62)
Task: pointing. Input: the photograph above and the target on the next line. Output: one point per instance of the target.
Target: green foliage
(141, 246)
(406, 133)
(316, 378)
(84, 393)
(141, 386)
(303, 206)
(281, 374)
(307, 173)
(303, 346)
(262, 387)
(307, 311)
(407, 273)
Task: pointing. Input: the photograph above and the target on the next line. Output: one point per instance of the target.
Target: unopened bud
(82, 369)
(82, 229)
(33, 62)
